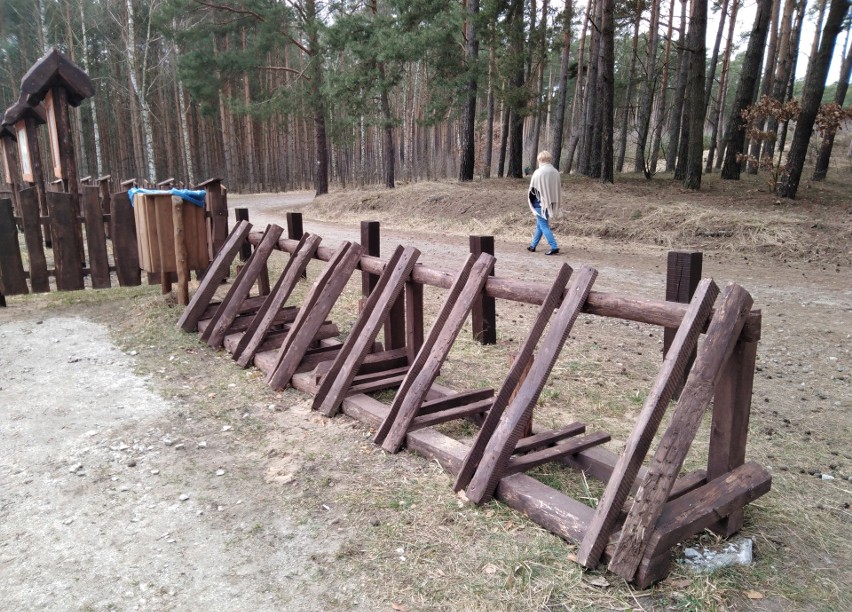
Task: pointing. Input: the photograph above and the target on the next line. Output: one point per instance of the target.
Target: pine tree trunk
(782, 71)
(588, 151)
(468, 139)
(516, 144)
(697, 68)
(734, 126)
(679, 96)
(631, 76)
(489, 122)
(504, 139)
(659, 116)
(559, 120)
(541, 92)
(811, 98)
(765, 84)
(578, 103)
(607, 97)
(317, 99)
(821, 168)
(719, 105)
(96, 131)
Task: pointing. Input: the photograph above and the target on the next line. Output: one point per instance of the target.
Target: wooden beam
(546, 455)
(717, 347)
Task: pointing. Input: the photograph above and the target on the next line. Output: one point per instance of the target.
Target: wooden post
(371, 241)
(295, 230)
(12, 281)
(729, 431)
(484, 317)
(10, 161)
(95, 237)
(242, 214)
(217, 206)
(413, 318)
(103, 187)
(683, 271)
(39, 280)
(180, 252)
(38, 177)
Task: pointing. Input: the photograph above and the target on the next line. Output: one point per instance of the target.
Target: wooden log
(389, 381)
(729, 428)
(216, 273)
(518, 372)
(39, 281)
(181, 261)
(573, 446)
(227, 312)
(243, 322)
(125, 250)
(95, 237)
(665, 386)
(66, 250)
(547, 438)
(276, 299)
(249, 305)
(409, 403)
(12, 279)
(717, 347)
(653, 312)
(484, 311)
(295, 231)
(423, 354)
(300, 336)
(683, 273)
(513, 423)
(360, 340)
(217, 205)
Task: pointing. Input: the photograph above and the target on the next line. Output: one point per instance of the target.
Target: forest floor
(142, 470)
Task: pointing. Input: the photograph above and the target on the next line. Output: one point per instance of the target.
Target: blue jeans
(542, 228)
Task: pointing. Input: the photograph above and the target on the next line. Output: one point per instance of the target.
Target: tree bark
(679, 95)
(719, 105)
(468, 128)
(821, 168)
(785, 57)
(631, 76)
(650, 168)
(317, 98)
(766, 84)
(607, 96)
(811, 98)
(698, 57)
(517, 93)
(735, 125)
(559, 121)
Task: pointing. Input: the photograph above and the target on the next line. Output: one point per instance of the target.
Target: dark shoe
(553, 252)
(531, 249)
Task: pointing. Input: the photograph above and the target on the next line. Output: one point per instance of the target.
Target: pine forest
(275, 95)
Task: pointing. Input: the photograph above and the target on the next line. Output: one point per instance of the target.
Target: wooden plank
(668, 381)
(547, 438)
(729, 428)
(216, 273)
(125, 251)
(518, 371)
(364, 331)
(702, 507)
(242, 323)
(411, 400)
(12, 279)
(278, 296)
(683, 273)
(195, 228)
(423, 354)
(721, 339)
(249, 305)
(28, 199)
(455, 400)
(66, 249)
(240, 289)
(386, 382)
(513, 423)
(573, 446)
(371, 241)
(381, 361)
(267, 353)
(300, 337)
(95, 236)
(484, 311)
(217, 205)
(181, 257)
(165, 244)
(450, 414)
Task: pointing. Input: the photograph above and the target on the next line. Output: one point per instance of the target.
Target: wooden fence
(95, 239)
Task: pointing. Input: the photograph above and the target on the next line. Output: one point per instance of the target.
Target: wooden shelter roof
(52, 70)
(23, 110)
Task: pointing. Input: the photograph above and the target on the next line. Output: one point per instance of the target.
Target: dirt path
(116, 498)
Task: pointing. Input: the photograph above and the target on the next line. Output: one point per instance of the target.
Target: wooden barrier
(297, 346)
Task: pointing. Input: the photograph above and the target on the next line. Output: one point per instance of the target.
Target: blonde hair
(544, 157)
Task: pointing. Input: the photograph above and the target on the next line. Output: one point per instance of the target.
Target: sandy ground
(112, 497)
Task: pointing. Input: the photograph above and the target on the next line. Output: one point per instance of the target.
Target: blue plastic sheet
(188, 195)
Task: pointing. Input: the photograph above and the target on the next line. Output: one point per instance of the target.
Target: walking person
(543, 199)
